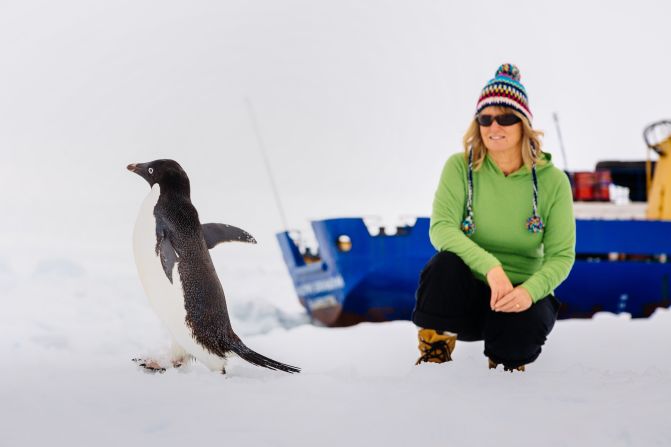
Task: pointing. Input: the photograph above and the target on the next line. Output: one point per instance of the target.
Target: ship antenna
(262, 148)
(561, 141)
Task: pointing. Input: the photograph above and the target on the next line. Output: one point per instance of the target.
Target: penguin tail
(259, 360)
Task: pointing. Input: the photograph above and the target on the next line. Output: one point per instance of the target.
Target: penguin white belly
(167, 299)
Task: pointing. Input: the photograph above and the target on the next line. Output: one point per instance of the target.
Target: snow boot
(493, 365)
(435, 347)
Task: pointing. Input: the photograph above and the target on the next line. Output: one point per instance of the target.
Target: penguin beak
(139, 169)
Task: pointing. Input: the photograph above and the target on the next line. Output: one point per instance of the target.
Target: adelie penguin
(172, 255)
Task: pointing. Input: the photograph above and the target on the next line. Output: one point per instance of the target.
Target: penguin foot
(178, 355)
(177, 362)
(150, 365)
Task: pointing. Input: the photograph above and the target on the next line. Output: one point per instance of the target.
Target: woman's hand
(518, 300)
(499, 284)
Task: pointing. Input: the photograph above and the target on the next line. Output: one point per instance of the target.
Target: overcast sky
(358, 103)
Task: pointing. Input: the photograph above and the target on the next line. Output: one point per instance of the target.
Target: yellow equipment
(658, 138)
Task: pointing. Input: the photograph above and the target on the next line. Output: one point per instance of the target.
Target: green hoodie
(501, 206)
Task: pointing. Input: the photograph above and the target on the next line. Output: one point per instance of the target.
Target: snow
(358, 104)
(69, 333)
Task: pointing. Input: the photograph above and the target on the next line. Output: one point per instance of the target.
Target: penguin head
(167, 173)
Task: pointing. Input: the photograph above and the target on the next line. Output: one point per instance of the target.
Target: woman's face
(498, 138)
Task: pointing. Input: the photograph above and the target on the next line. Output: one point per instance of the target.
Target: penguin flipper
(167, 254)
(216, 233)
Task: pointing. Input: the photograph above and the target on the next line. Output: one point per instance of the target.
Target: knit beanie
(505, 90)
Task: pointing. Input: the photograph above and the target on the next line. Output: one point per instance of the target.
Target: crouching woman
(503, 225)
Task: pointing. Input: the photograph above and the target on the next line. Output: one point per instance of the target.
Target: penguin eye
(151, 170)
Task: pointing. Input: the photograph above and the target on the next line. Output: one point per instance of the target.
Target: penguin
(171, 250)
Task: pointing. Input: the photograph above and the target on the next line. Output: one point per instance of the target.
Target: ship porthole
(344, 243)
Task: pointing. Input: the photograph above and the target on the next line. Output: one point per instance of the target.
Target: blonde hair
(531, 139)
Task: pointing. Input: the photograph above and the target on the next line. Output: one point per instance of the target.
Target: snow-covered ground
(68, 333)
(358, 105)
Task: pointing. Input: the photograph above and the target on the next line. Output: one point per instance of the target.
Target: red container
(602, 186)
(591, 186)
(584, 186)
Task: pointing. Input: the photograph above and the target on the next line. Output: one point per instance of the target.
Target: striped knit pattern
(505, 90)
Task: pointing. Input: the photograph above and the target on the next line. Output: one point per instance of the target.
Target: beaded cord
(535, 223)
(468, 225)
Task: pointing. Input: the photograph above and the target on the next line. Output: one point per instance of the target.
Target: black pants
(450, 298)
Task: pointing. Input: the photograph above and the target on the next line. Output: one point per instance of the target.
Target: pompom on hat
(505, 90)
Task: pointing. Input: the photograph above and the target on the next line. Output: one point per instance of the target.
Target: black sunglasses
(507, 119)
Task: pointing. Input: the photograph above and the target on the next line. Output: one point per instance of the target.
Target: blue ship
(621, 266)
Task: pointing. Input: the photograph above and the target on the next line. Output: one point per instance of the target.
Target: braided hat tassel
(535, 223)
(468, 225)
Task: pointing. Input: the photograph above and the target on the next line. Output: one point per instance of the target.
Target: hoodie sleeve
(449, 205)
(558, 244)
